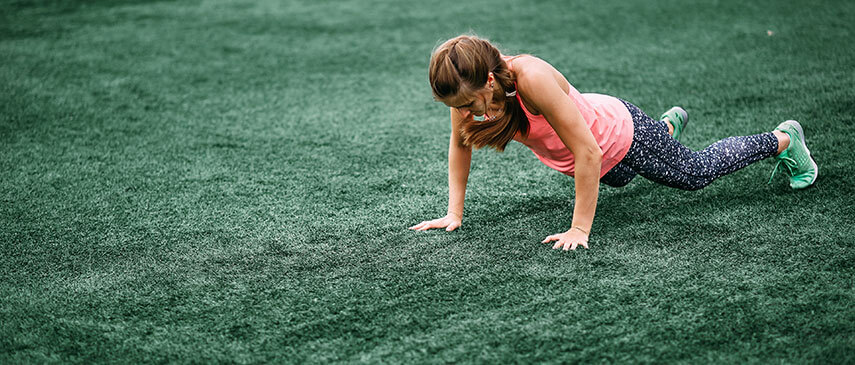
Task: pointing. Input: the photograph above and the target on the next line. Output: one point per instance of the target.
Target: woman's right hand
(450, 222)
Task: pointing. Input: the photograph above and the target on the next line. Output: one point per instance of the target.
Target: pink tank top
(607, 118)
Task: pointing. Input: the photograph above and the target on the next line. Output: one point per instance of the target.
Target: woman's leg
(657, 156)
(618, 176)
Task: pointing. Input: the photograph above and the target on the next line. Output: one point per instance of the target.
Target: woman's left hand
(569, 240)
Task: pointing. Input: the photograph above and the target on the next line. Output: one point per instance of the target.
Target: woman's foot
(795, 158)
(677, 118)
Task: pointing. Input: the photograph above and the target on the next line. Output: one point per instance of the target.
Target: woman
(594, 138)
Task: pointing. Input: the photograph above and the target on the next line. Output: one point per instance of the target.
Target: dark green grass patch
(231, 181)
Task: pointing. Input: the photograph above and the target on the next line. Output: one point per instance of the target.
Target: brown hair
(461, 64)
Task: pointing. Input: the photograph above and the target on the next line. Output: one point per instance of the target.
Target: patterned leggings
(657, 156)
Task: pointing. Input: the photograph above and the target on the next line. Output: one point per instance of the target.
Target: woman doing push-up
(496, 98)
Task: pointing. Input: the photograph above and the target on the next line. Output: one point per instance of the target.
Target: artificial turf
(231, 181)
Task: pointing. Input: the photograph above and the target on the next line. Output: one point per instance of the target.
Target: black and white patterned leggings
(657, 156)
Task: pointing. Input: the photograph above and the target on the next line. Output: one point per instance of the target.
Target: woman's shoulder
(529, 68)
(532, 71)
(532, 75)
(526, 63)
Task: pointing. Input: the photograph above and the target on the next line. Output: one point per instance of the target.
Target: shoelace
(788, 162)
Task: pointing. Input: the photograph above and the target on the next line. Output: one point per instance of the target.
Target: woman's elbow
(594, 155)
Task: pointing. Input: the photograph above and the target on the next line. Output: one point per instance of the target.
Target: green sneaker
(796, 158)
(678, 118)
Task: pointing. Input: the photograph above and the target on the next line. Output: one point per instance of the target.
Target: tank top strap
(507, 60)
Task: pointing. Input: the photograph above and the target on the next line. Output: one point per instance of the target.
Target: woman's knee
(618, 176)
(614, 184)
(693, 185)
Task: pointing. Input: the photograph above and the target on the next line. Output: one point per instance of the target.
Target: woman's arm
(541, 88)
(459, 162)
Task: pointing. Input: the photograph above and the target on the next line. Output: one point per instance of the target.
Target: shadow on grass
(724, 208)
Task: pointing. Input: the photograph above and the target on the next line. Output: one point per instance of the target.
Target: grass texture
(231, 181)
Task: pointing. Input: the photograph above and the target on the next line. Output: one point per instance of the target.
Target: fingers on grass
(430, 225)
(550, 238)
(426, 225)
(571, 246)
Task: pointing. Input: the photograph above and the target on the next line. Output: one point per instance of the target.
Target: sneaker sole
(801, 131)
(685, 116)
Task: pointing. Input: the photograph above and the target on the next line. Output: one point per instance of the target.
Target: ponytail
(462, 65)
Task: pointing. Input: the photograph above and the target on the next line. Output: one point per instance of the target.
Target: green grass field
(231, 181)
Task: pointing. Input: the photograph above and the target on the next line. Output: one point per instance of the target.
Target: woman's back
(606, 117)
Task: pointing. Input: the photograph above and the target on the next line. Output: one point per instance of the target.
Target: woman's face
(471, 104)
